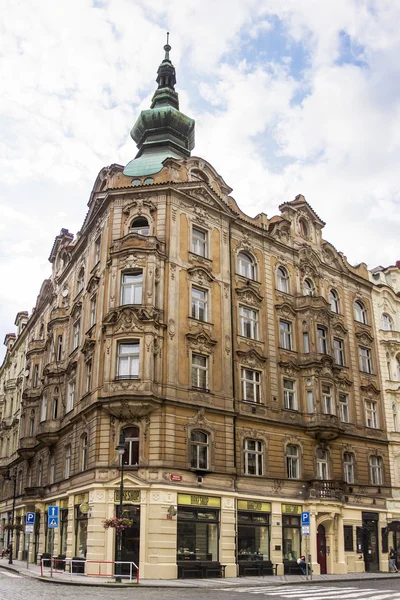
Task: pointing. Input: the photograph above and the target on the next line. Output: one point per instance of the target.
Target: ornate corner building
(239, 357)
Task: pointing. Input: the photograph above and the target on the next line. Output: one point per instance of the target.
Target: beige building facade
(237, 355)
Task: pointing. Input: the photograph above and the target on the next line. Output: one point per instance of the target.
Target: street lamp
(121, 451)
(9, 477)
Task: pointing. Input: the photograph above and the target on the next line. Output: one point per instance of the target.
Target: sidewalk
(228, 582)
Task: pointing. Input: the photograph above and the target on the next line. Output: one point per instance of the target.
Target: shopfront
(81, 508)
(198, 522)
(367, 540)
(130, 542)
(291, 534)
(253, 553)
(63, 527)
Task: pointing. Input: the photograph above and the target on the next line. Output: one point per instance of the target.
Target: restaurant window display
(253, 537)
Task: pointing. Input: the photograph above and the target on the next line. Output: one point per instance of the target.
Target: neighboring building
(237, 355)
(386, 301)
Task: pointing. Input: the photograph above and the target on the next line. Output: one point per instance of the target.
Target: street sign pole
(29, 525)
(52, 523)
(307, 557)
(27, 551)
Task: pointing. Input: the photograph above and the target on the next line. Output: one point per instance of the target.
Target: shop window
(248, 318)
(64, 532)
(199, 450)
(251, 385)
(81, 530)
(197, 534)
(132, 440)
(128, 360)
(199, 303)
(253, 451)
(246, 266)
(360, 314)
(253, 536)
(334, 301)
(291, 534)
(132, 288)
(140, 226)
(282, 280)
(348, 538)
(348, 467)
(293, 461)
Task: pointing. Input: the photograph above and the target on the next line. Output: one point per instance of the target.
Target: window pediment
(200, 275)
(201, 342)
(339, 328)
(370, 390)
(251, 358)
(289, 368)
(93, 283)
(285, 310)
(88, 347)
(249, 296)
(364, 337)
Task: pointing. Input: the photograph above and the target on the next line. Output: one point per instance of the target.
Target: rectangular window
(55, 408)
(35, 381)
(76, 331)
(128, 360)
(43, 408)
(199, 304)
(291, 537)
(322, 340)
(338, 346)
(375, 465)
(248, 322)
(97, 246)
(310, 401)
(93, 301)
(289, 394)
(71, 395)
(344, 408)
(292, 462)
(52, 468)
(285, 335)
(348, 538)
(322, 465)
(348, 464)
(365, 359)
(59, 347)
(251, 385)
(197, 534)
(327, 402)
(371, 415)
(199, 371)
(253, 457)
(306, 343)
(199, 242)
(88, 375)
(132, 288)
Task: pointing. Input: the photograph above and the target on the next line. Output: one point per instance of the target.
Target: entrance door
(130, 539)
(321, 548)
(371, 549)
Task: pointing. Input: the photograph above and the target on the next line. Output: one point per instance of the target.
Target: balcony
(10, 384)
(324, 427)
(48, 432)
(138, 242)
(35, 346)
(26, 448)
(55, 368)
(326, 490)
(60, 313)
(34, 492)
(7, 422)
(32, 393)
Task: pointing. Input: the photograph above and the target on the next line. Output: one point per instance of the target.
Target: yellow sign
(254, 505)
(81, 498)
(291, 509)
(196, 500)
(128, 496)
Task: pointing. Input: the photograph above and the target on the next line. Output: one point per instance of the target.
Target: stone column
(313, 542)
(340, 564)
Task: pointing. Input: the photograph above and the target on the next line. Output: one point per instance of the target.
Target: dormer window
(303, 228)
(140, 225)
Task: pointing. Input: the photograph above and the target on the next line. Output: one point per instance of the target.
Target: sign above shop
(175, 477)
(291, 509)
(254, 506)
(196, 500)
(128, 496)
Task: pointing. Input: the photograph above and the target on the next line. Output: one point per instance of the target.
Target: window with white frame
(199, 303)
(376, 470)
(97, 246)
(67, 465)
(140, 226)
(128, 360)
(35, 381)
(387, 323)
(282, 280)
(371, 414)
(84, 450)
(253, 451)
(310, 401)
(89, 365)
(93, 301)
(246, 266)
(132, 287)
(306, 342)
(289, 394)
(248, 322)
(76, 333)
(322, 464)
(200, 371)
(199, 450)
(344, 408)
(199, 242)
(251, 385)
(71, 395)
(322, 340)
(327, 400)
(308, 287)
(334, 301)
(292, 461)
(360, 314)
(285, 335)
(43, 408)
(338, 347)
(348, 467)
(365, 359)
(132, 442)
(80, 281)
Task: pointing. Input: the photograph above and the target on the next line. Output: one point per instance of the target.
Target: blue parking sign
(30, 518)
(305, 518)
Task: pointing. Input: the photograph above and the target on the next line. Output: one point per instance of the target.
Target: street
(19, 587)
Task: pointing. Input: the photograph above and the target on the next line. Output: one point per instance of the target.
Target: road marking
(320, 593)
(9, 574)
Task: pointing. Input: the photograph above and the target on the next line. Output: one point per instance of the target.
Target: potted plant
(119, 524)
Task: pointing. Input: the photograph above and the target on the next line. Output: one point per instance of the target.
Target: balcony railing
(322, 489)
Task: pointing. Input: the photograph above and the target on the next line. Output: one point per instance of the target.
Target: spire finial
(167, 47)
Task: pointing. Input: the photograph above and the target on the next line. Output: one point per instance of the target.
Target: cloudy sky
(289, 96)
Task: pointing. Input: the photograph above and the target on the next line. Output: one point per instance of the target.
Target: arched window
(140, 225)
(84, 456)
(348, 467)
(131, 455)
(387, 323)
(292, 461)
(40, 473)
(322, 464)
(334, 301)
(67, 466)
(360, 314)
(375, 470)
(246, 266)
(80, 281)
(308, 287)
(282, 280)
(199, 450)
(253, 451)
(303, 227)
